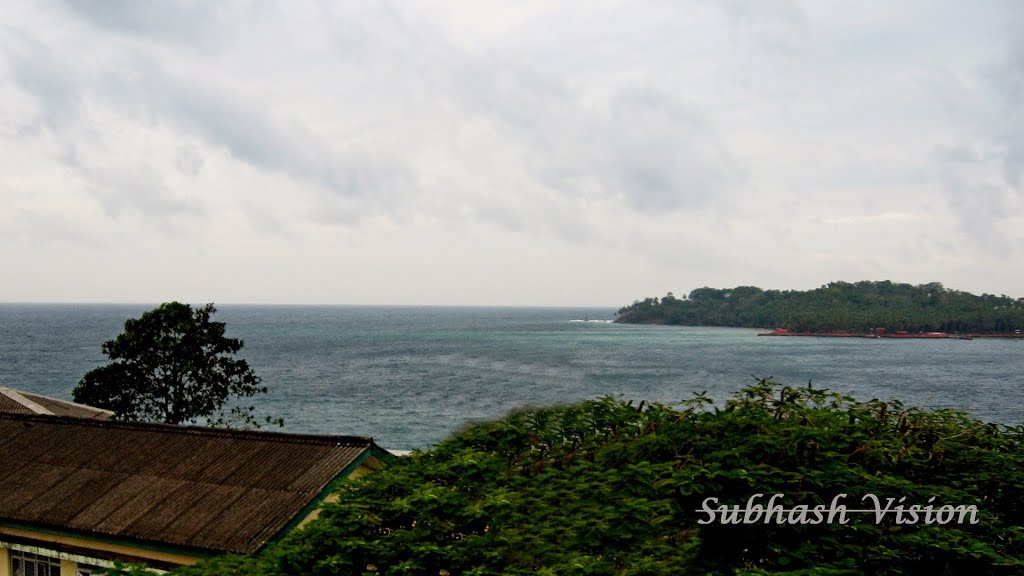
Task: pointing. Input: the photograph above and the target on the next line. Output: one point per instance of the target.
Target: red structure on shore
(876, 333)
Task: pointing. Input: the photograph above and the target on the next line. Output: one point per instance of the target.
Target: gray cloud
(1014, 86)
(957, 153)
(980, 208)
(140, 86)
(189, 161)
(1005, 78)
(56, 231)
(981, 200)
(46, 76)
(187, 21)
(664, 156)
(224, 119)
(649, 148)
(779, 26)
(121, 187)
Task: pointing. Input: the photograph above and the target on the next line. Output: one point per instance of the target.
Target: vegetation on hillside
(607, 487)
(838, 306)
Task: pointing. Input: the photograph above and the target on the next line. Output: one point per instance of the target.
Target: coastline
(899, 335)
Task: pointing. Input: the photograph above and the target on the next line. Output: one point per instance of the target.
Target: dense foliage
(173, 365)
(606, 487)
(838, 306)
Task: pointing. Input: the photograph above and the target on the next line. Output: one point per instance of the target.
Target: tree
(174, 365)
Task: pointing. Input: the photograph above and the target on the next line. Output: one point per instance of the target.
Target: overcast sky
(506, 153)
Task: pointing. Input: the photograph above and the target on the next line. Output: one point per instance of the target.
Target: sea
(410, 376)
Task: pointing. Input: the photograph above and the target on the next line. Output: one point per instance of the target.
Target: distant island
(838, 308)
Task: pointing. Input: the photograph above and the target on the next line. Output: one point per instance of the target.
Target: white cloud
(873, 218)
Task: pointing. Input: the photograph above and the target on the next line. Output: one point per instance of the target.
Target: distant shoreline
(900, 335)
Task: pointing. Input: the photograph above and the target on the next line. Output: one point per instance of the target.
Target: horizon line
(283, 304)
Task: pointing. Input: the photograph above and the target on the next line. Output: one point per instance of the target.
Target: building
(20, 402)
(77, 493)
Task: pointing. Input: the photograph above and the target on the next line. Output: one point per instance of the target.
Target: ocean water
(409, 376)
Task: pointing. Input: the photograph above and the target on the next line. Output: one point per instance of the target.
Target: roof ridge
(63, 401)
(194, 430)
(20, 398)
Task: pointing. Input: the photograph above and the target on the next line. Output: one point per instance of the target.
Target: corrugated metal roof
(21, 402)
(212, 489)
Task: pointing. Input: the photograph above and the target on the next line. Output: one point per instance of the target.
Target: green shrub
(606, 487)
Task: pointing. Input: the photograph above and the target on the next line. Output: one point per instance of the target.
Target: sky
(528, 153)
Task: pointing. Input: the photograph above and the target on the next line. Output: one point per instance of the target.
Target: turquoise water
(408, 376)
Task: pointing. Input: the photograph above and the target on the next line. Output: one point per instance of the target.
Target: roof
(214, 490)
(20, 402)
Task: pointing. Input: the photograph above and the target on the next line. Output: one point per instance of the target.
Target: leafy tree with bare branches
(174, 365)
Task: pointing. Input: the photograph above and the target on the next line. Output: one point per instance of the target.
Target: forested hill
(836, 307)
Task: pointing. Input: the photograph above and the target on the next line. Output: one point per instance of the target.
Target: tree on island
(836, 307)
(174, 365)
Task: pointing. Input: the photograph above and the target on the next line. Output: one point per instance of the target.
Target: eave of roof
(374, 451)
